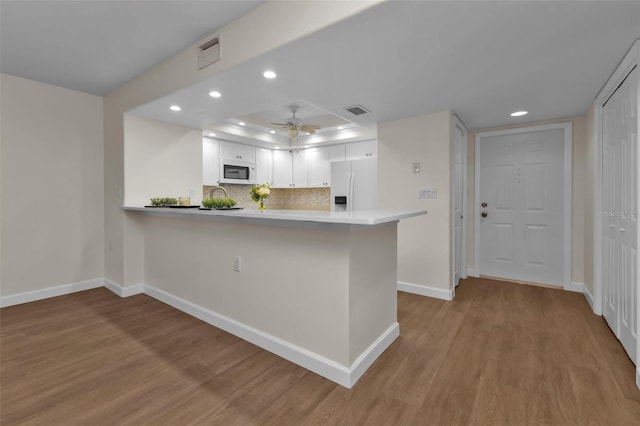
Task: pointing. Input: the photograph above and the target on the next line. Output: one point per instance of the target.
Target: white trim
(638, 377)
(45, 293)
(575, 287)
(423, 290)
(325, 367)
(124, 291)
(366, 359)
(568, 161)
(471, 272)
(463, 262)
(589, 297)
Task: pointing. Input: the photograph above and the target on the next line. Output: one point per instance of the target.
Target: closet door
(620, 216)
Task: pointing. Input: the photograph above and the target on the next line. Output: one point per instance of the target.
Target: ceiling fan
(294, 125)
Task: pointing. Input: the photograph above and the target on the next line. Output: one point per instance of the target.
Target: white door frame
(631, 60)
(568, 160)
(463, 272)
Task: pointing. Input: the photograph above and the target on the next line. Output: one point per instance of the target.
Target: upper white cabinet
(290, 169)
(300, 169)
(210, 162)
(336, 153)
(282, 169)
(318, 163)
(360, 150)
(264, 166)
(237, 151)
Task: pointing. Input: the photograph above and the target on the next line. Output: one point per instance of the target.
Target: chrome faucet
(215, 188)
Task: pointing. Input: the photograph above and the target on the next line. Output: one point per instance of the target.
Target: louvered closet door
(620, 216)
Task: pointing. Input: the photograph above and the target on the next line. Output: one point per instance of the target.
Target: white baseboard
(424, 290)
(45, 293)
(471, 272)
(372, 353)
(345, 376)
(587, 295)
(311, 361)
(124, 291)
(575, 287)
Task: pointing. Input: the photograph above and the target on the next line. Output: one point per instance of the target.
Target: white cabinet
(300, 169)
(237, 151)
(318, 165)
(290, 169)
(336, 153)
(264, 166)
(360, 150)
(210, 162)
(282, 169)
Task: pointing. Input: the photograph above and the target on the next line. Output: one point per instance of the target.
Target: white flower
(263, 192)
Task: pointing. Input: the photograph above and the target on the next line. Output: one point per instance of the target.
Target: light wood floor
(501, 353)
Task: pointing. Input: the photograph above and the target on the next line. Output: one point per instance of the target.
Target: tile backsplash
(280, 198)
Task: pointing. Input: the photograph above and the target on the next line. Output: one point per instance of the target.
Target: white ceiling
(97, 46)
(480, 59)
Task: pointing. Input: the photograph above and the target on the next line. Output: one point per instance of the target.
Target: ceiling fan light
(293, 132)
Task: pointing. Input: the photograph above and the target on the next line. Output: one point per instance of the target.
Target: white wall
(161, 160)
(244, 39)
(52, 195)
(424, 246)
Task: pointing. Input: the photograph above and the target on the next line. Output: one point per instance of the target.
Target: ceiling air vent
(357, 110)
(209, 53)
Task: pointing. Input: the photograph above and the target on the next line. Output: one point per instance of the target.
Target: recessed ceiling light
(175, 108)
(340, 127)
(273, 132)
(211, 134)
(269, 74)
(215, 94)
(308, 133)
(242, 123)
(519, 113)
(277, 147)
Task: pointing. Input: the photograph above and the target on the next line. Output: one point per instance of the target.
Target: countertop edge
(363, 217)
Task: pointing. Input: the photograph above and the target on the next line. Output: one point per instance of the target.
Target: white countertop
(359, 217)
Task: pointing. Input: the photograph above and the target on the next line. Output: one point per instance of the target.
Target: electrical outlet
(428, 193)
(236, 263)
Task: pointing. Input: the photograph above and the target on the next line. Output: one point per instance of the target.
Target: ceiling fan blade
(311, 128)
(280, 124)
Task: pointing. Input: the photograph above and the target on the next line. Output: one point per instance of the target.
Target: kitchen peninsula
(315, 287)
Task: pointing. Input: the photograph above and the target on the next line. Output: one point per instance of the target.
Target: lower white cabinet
(210, 162)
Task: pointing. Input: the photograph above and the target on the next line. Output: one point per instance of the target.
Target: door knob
(484, 205)
(484, 214)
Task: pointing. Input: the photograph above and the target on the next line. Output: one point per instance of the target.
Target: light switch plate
(428, 193)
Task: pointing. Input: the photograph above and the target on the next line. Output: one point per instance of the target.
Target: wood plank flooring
(501, 353)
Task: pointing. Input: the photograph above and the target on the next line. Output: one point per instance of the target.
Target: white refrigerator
(354, 185)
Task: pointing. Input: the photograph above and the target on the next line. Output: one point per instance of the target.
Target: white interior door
(620, 227)
(459, 141)
(522, 205)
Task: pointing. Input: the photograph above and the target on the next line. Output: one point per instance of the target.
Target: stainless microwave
(237, 172)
